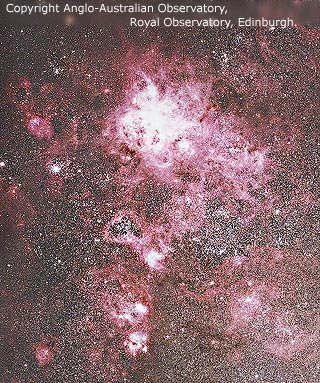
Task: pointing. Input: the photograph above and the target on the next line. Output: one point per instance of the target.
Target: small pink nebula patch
(40, 128)
(44, 354)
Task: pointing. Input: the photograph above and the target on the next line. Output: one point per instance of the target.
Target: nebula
(160, 206)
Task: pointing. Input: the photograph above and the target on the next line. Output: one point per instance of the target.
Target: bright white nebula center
(55, 169)
(153, 259)
(154, 122)
(137, 342)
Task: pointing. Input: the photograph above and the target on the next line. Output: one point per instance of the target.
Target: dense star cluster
(159, 206)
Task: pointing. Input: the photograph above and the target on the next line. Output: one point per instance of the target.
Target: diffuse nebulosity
(161, 208)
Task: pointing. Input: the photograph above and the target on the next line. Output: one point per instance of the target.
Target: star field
(159, 205)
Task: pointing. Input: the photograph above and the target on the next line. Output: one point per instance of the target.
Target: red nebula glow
(161, 219)
(40, 128)
(44, 354)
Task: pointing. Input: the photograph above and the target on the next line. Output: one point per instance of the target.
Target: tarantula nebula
(160, 206)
